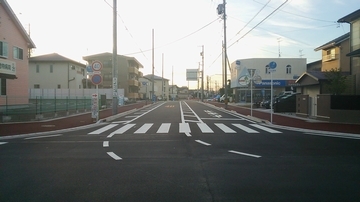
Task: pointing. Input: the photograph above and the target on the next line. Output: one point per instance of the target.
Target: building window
(37, 68)
(51, 69)
(37, 86)
(2, 86)
(18, 53)
(58, 86)
(4, 49)
(288, 69)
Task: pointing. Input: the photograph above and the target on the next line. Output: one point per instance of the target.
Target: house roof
(334, 42)
(53, 57)
(107, 54)
(17, 23)
(351, 17)
(355, 53)
(149, 76)
(316, 75)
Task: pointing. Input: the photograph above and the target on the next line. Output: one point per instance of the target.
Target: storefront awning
(7, 76)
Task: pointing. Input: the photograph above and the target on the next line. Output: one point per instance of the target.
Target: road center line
(245, 154)
(201, 142)
(114, 156)
(38, 137)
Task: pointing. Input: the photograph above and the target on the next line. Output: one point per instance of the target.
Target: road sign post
(96, 79)
(272, 68)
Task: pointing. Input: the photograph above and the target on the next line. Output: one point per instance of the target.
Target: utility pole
(153, 68)
(114, 61)
(202, 74)
(162, 79)
(221, 9)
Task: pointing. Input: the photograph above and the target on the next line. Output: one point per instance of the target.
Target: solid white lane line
(201, 142)
(106, 144)
(38, 137)
(164, 128)
(245, 154)
(205, 128)
(121, 130)
(265, 128)
(144, 128)
(145, 113)
(2, 143)
(244, 128)
(114, 156)
(103, 129)
(224, 128)
(184, 128)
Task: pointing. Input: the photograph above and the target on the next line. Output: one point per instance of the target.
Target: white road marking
(144, 128)
(164, 128)
(245, 154)
(348, 136)
(205, 128)
(103, 129)
(244, 128)
(187, 134)
(38, 137)
(121, 130)
(184, 128)
(201, 142)
(114, 156)
(106, 144)
(144, 113)
(265, 128)
(225, 128)
(2, 143)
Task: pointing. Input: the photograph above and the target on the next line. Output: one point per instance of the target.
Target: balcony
(329, 57)
(141, 74)
(133, 70)
(133, 82)
(133, 95)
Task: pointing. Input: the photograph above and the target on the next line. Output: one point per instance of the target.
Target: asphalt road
(180, 151)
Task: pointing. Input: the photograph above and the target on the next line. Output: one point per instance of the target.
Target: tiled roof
(17, 23)
(149, 76)
(53, 57)
(351, 17)
(334, 42)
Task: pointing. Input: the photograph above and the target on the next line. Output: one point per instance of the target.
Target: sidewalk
(7, 129)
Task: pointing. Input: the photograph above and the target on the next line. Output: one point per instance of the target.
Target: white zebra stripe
(224, 128)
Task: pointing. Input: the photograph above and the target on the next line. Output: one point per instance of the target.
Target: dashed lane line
(245, 154)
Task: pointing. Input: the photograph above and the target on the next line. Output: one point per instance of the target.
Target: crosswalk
(165, 128)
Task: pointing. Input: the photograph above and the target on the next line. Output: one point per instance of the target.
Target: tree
(336, 81)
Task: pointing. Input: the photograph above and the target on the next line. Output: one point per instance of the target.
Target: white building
(54, 71)
(161, 87)
(282, 74)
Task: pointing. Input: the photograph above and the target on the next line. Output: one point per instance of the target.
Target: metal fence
(50, 103)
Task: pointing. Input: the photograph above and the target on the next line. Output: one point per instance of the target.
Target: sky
(254, 29)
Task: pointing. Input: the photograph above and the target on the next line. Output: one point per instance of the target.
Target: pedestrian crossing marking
(184, 128)
(103, 129)
(121, 130)
(224, 128)
(144, 128)
(164, 128)
(244, 128)
(265, 128)
(205, 128)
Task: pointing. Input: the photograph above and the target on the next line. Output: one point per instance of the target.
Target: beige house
(53, 71)
(354, 51)
(161, 87)
(15, 46)
(128, 73)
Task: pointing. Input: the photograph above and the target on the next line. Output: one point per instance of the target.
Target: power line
(259, 23)
(186, 36)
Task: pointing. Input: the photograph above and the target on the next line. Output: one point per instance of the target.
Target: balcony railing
(133, 95)
(133, 70)
(329, 57)
(133, 82)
